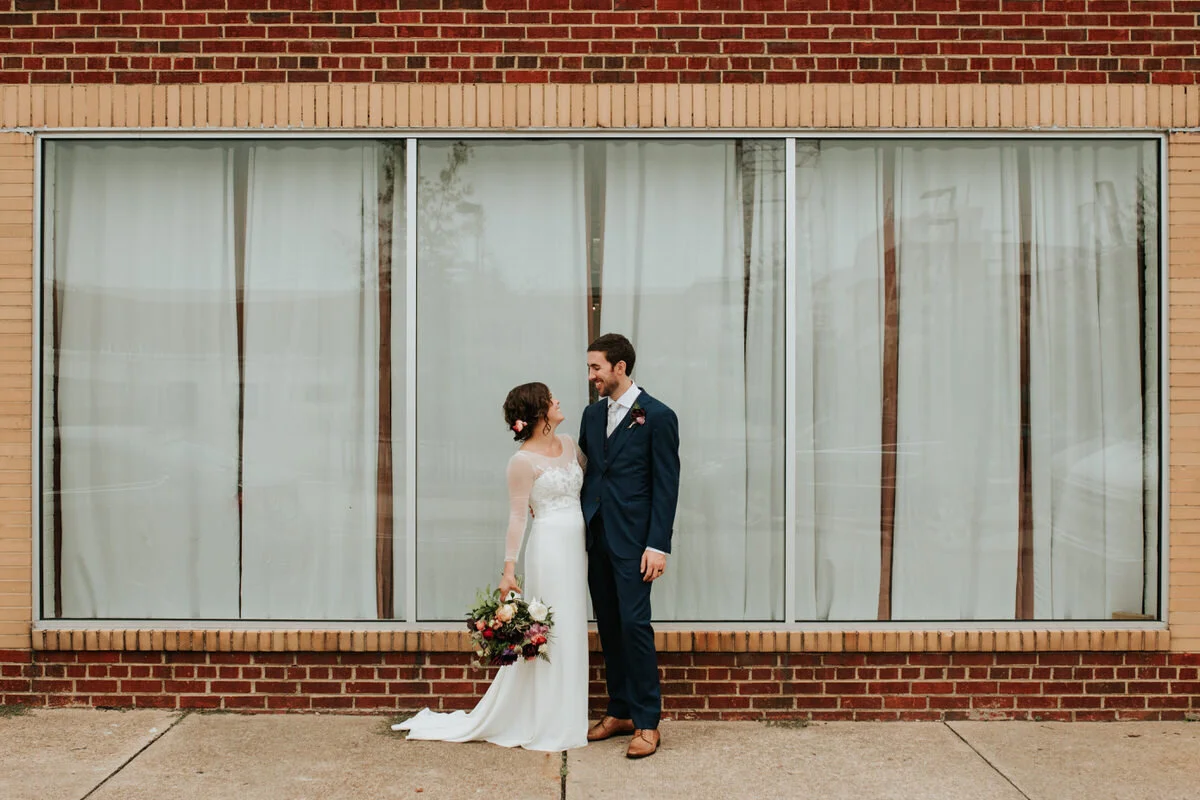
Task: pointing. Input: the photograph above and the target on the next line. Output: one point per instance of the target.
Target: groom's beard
(607, 389)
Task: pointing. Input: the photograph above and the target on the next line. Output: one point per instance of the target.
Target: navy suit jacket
(634, 481)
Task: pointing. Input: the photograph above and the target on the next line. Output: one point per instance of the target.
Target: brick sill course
(351, 641)
(762, 686)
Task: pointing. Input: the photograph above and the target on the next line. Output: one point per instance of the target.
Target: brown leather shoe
(645, 743)
(609, 727)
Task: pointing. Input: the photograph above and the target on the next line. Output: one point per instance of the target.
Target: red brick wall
(600, 41)
(823, 686)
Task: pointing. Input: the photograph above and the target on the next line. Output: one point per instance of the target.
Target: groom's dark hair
(615, 347)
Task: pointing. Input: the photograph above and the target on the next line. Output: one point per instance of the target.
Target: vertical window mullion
(1164, 382)
(789, 349)
(410, 382)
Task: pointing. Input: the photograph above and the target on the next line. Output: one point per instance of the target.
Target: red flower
(487, 633)
(638, 415)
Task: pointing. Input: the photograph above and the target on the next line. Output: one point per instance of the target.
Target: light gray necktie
(613, 410)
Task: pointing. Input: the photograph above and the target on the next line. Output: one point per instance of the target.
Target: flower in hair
(519, 425)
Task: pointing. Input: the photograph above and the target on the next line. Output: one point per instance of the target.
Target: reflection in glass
(526, 252)
(212, 406)
(693, 274)
(981, 436)
(501, 280)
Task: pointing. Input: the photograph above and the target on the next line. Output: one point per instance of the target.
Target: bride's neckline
(562, 448)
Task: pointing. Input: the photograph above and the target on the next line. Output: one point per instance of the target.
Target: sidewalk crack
(987, 761)
(131, 759)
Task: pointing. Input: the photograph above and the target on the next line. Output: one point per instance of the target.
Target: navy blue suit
(630, 491)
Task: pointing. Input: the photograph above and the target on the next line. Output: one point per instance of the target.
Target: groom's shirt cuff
(656, 550)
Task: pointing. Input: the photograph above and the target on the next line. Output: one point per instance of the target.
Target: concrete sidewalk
(105, 755)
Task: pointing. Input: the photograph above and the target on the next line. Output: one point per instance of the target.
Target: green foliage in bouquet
(504, 631)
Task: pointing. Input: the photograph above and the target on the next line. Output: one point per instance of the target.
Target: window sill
(360, 641)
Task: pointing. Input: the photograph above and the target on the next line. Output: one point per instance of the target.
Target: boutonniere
(638, 415)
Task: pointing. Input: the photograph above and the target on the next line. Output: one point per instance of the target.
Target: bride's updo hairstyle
(524, 407)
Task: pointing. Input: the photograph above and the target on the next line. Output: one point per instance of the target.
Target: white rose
(544, 648)
(505, 612)
(538, 611)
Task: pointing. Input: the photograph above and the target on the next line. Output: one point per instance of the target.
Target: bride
(536, 704)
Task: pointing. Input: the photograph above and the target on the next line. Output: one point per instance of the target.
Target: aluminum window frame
(412, 139)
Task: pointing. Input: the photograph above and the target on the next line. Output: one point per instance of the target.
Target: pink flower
(519, 425)
(480, 624)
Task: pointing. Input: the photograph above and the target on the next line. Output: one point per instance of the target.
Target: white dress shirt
(618, 409)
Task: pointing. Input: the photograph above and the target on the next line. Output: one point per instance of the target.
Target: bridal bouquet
(506, 630)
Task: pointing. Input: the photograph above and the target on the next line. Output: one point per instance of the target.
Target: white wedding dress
(536, 704)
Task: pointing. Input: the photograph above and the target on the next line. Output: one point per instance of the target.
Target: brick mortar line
(131, 759)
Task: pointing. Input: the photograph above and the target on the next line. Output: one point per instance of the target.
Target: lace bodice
(542, 483)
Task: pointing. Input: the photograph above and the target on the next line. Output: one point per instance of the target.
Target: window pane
(529, 250)
(212, 379)
(501, 281)
(315, 223)
(693, 275)
(981, 440)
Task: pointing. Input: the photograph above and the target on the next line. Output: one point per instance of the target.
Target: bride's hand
(508, 584)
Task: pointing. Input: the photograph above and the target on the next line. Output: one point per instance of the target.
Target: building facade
(918, 277)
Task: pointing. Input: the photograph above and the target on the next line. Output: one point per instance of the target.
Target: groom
(629, 494)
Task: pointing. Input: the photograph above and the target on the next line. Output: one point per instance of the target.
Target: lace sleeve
(579, 456)
(520, 482)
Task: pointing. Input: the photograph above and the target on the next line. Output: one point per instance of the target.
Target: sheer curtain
(839, 316)
(141, 396)
(1087, 409)
(502, 277)
(764, 214)
(675, 283)
(311, 364)
(958, 435)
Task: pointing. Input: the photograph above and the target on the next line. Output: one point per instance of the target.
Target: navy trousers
(621, 600)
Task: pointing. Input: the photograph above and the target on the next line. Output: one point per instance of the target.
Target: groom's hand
(653, 565)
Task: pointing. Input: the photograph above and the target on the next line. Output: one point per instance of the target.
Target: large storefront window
(978, 381)
(527, 251)
(972, 394)
(212, 417)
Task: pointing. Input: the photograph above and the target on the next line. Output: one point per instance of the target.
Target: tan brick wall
(16, 384)
(364, 641)
(1184, 474)
(326, 106)
(623, 106)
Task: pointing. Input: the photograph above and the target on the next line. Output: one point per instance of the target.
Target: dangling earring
(546, 428)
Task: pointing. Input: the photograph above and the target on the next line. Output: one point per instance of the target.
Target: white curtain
(1087, 408)
(839, 316)
(675, 284)
(764, 211)
(958, 437)
(140, 246)
(312, 363)
(502, 279)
